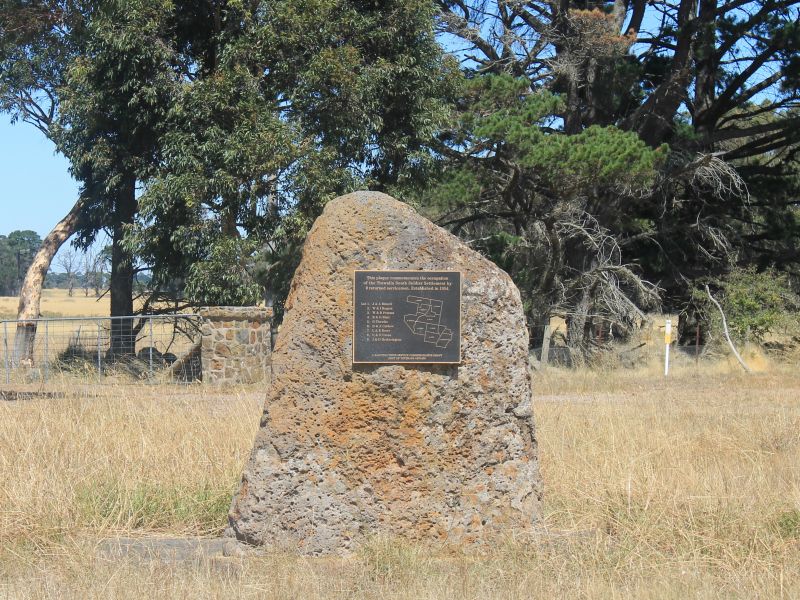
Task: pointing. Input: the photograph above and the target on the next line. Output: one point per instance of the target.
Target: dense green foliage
(290, 105)
(543, 206)
(202, 131)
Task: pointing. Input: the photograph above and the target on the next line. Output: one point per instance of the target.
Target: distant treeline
(87, 271)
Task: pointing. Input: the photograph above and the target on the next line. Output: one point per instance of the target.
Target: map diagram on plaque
(426, 322)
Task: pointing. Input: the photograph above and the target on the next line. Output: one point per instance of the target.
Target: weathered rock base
(433, 454)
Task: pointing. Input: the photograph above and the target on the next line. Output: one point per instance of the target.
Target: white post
(667, 342)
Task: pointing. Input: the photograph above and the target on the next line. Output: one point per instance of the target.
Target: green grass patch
(789, 524)
(199, 510)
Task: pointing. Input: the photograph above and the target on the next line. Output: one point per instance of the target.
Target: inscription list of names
(407, 317)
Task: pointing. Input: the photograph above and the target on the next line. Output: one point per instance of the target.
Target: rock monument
(442, 453)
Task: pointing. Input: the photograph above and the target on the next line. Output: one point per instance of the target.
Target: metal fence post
(5, 352)
(99, 359)
(46, 346)
(151, 346)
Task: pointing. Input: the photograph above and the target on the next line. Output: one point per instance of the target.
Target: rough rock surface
(430, 453)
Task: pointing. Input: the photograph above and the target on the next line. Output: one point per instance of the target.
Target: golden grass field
(654, 488)
(57, 303)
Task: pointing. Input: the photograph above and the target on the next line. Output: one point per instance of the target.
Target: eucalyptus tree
(37, 42)
(201, 131)
(117, 93)
(17, 249)
(289, 104)
(94, 77)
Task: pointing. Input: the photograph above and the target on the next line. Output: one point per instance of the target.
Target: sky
(36, 190)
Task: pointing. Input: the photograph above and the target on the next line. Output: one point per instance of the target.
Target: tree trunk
(573, 119)
(229, 227)
(123, 342)
(725, 331)
(707, 67)
(30, 295)
(576, 326)
(654, 119)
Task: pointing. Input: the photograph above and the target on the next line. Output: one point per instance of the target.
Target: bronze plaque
(407, 317)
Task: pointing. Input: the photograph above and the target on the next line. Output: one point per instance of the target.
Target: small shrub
(77, 356)
(755, 303)
(789, 524)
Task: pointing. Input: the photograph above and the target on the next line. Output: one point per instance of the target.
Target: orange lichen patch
(509, 469)
(359, 422)
(483, 378)
(412, 419)
(398, 492)
(344, 300)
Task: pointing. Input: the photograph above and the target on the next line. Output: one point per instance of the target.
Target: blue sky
(36, 189)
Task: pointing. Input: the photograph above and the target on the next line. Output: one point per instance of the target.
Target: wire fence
(155, 348)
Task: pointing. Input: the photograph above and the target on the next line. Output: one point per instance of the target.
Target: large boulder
(431, 453)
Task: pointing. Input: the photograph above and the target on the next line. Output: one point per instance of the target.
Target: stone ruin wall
(236, 344)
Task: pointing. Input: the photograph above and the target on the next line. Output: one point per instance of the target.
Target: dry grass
(688, 487)
(57, 303)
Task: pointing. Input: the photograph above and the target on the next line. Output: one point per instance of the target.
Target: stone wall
(236, 344)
